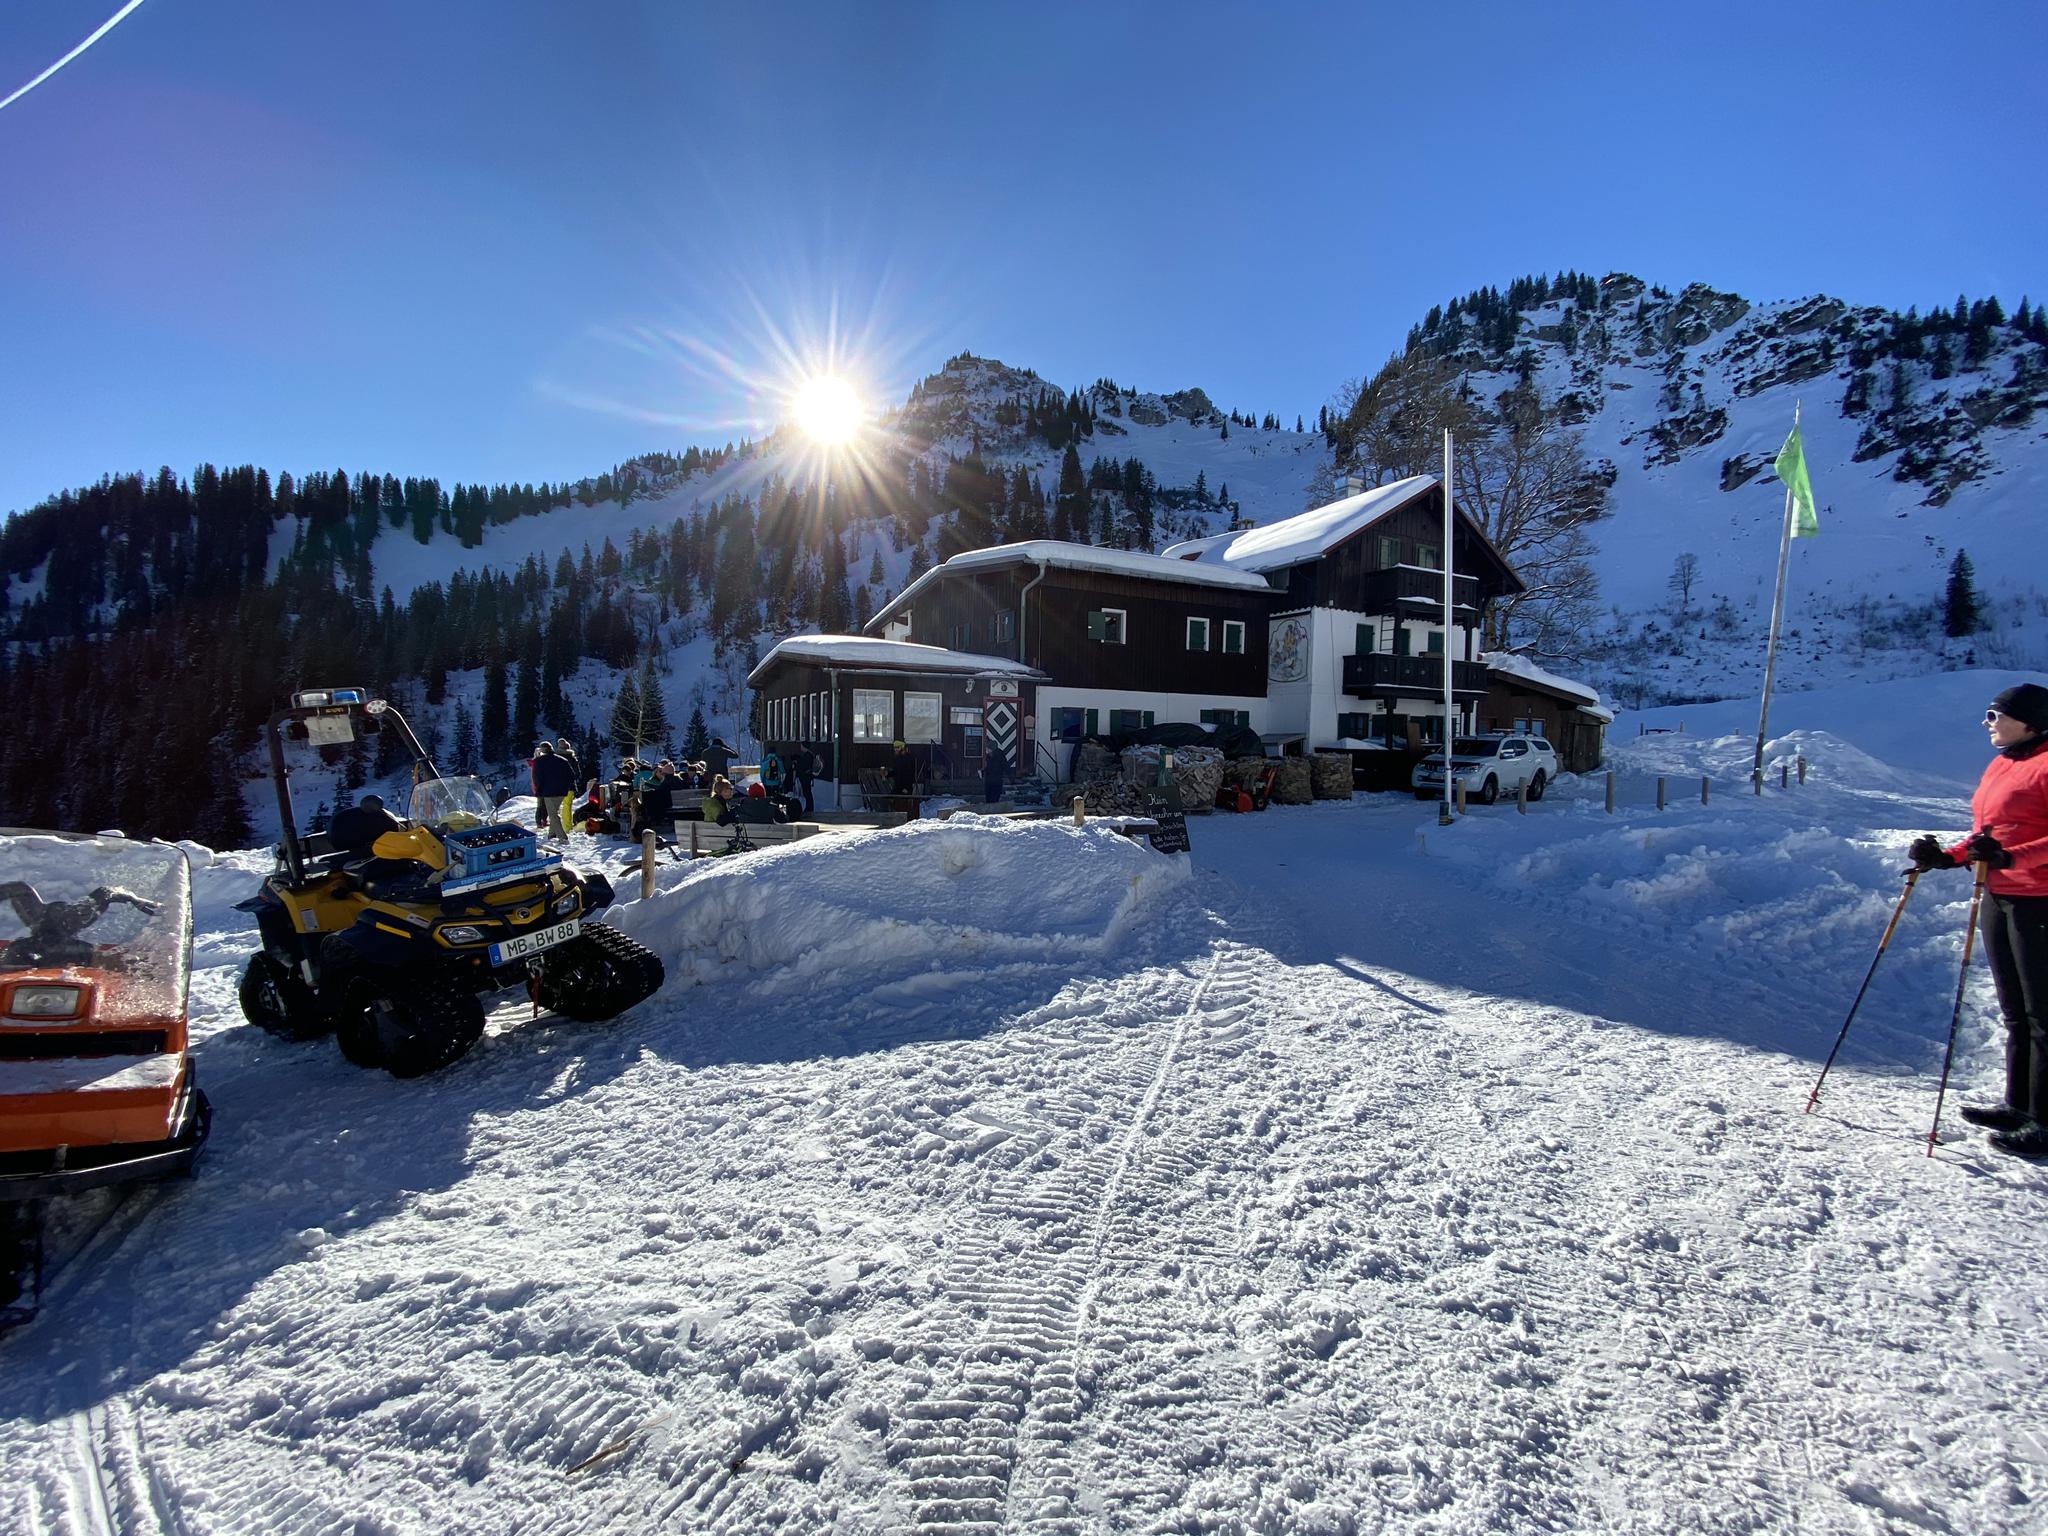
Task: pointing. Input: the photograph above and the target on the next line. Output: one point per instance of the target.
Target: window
(1233, 637)
(1363, 647)
(1404, 641)
(1005, 627)
(1068, 724)
(1227, 717)
(1433, 643)
(1107, 626)
(874, 715)
(1198, 634)
(959, 637)
(1390, 551)
(921, 715)
(1429, 555)
(1122, 720)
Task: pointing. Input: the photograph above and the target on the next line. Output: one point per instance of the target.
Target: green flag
(1791, 468)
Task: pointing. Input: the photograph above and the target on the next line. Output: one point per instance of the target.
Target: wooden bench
(703, 838)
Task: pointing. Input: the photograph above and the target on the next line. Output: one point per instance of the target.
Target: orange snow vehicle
(96, 1077)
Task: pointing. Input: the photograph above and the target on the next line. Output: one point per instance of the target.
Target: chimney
(1351, 483)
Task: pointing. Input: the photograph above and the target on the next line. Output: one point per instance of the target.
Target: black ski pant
(2015, 930)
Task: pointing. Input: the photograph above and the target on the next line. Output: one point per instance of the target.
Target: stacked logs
(1330, 773)
(1295, 783)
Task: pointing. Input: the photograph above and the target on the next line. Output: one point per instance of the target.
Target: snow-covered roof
(1508, 664)
(1305, 536)
(1078, 557)
(1597, 712)
(888, 655)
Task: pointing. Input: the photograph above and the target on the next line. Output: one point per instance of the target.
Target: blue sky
(502, 240)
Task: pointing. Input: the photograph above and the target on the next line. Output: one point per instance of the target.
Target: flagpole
(1763, 719)
(1450, 566)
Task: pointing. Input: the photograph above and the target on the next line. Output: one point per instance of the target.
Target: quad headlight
(565, 903)
(462, 933)
(46, 1003)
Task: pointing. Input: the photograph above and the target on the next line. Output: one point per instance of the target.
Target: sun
(827, 409)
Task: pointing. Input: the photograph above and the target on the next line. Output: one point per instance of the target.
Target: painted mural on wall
(1287, 649)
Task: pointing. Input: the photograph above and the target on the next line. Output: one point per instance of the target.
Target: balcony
(1410, 586)
(1379, 677)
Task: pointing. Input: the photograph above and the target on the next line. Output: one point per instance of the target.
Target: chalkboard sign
(1171, 835)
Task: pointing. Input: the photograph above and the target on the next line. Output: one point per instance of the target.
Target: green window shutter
(1148, 717)
(1233, 638)
(1433, 643)
(1403, 644)
(1364, 645)
(1097, 624)
(1094, 728)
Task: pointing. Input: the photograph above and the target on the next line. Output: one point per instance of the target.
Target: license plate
(533, 943)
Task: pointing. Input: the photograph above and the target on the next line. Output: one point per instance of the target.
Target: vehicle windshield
(102, 902)
(461, 802)
(1475, 746)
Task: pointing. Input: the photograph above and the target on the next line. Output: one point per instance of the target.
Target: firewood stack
(1331, 774)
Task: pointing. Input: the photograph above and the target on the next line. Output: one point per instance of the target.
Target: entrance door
(1000, 718)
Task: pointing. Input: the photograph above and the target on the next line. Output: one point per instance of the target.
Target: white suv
(1489, 767)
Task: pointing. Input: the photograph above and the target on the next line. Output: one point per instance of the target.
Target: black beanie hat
(2027, 704)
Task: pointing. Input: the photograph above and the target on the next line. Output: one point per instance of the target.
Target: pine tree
(496, 731)
(625, 733)
(835, 604)
(526, 703)
(465, 739)
(876, 575)
(696, 737)
(654, 726)
(1962, 614)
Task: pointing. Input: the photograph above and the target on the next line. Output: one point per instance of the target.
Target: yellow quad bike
(388, 938)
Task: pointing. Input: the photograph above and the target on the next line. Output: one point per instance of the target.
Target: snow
(862, 651)
(1509, 664)
(1078, 557)
(1003, 1172)
(100, 1074)
(1306, 536)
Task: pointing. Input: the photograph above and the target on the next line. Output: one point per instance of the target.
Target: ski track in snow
(1359, 1193)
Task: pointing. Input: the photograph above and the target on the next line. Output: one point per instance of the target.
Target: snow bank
(971, 888)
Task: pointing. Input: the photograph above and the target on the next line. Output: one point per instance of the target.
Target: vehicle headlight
(462, 933)
(567, 903)
(46, 1002)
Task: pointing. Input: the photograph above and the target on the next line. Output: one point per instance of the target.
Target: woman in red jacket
(2010, 812)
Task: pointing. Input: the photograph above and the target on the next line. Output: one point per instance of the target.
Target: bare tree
(1522, 475)
(1685, 572)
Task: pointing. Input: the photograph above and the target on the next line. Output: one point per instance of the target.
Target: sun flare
(827, 409)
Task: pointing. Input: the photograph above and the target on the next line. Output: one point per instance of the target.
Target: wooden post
(647, 863)
(1802, 768)
(1080, 811)
(1660, 791)
(1610, 791)
(1522, 798)
(1784, 775)
(1704, 783)
(1461, 797)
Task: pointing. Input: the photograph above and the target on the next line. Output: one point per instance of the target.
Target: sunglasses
(1993, 716)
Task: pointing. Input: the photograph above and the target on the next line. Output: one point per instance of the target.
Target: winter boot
(2029, 1141)
(1994, 1117)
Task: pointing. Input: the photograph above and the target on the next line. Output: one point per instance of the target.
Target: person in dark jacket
(718, 758)
(804, 763)
(553, 782)
(657, 802)
(903, 770)
(2010, 812)
(992, 773)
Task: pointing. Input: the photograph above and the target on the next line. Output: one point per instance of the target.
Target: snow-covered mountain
(1923, 437)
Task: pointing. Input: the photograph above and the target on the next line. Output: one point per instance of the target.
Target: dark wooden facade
(1579, 739)
(794, 691)
(981, 610)
(1369, 572)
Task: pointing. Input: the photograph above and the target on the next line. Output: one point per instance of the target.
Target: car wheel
(1536, 786)
(1489, 791)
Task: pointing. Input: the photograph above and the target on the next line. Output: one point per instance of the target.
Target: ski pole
(1912, 879)
(1955, 1017)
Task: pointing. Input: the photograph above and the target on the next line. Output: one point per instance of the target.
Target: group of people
(652, 794)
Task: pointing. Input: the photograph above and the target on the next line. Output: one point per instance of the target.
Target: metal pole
(1756, 772)
(1912, 879)
(1450, 728)
(1955, 1017)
